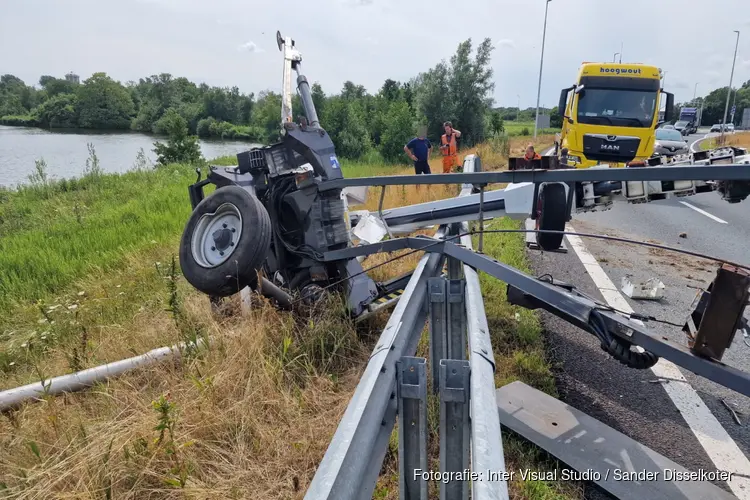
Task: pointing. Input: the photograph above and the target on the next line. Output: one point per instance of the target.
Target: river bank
(65, 152)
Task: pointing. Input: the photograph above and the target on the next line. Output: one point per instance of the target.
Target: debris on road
(731, 410)
(659, 381)
(683, 235)
(651, 289)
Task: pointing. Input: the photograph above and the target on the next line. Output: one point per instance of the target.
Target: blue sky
(232, 42)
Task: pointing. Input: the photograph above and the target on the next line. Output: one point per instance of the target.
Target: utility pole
(541, 65)
(695, 90)
(621, 43)
(729, 91)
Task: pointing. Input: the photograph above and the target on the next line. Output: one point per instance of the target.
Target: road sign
(734, 108)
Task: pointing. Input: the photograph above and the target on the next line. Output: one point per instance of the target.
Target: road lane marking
(704, 212)
(719, 446)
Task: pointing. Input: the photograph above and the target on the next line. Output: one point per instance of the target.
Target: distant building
(543, 122)
(72, 77)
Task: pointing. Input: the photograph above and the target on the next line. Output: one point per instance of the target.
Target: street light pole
(695, 90)
(518, 112)
(541, 65)
(729, 91)
(614, 57)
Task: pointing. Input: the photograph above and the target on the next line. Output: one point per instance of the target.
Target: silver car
(669, 142)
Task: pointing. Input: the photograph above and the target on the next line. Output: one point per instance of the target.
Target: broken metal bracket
(719, 312)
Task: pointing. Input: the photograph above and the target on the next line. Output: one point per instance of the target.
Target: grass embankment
(738, 139)
(514, 128)
(92, 280)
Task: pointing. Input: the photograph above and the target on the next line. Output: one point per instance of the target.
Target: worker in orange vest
(531, 154)
(449, 148)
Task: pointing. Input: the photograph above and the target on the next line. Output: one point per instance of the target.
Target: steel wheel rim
(215, 236)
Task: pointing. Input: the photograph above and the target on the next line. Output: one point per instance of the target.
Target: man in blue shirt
(419, 150)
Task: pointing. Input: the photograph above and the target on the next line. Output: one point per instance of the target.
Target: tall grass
(250, 416)
(522, 128)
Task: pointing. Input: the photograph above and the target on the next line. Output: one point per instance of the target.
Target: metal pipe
(286, 83)
(729, 91)
(86, 378)
(307, 101)
(735, 172)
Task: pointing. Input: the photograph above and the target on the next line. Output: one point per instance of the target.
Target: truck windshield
(681, 124)
(626, 108)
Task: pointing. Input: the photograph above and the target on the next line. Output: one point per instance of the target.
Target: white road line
(719, 446)
(704, 212)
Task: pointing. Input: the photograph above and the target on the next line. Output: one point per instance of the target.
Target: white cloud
(505, 42)
(250, 46)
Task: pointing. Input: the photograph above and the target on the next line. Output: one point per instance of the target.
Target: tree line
(360, 123)
(715, 103)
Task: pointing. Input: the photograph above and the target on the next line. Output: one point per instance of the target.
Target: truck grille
(611, 148)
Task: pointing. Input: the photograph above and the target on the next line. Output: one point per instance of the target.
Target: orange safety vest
(450, 154)
(535, 157)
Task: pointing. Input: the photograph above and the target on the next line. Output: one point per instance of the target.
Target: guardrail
(395, 386)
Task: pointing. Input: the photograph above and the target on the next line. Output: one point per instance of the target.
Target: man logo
(611, 138)
(612, 148)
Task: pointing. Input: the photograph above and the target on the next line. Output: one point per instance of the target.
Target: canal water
(65, 152)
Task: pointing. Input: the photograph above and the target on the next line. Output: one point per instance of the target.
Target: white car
(730, 127)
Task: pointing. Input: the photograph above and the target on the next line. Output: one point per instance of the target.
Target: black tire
(247, 254)
(551, 215)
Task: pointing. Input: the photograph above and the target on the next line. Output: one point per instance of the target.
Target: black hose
(619, 348)
(268, 289)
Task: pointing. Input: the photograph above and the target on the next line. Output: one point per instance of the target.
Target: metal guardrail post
(436, 295)
(456, 320)
(454, 428)
(411, 376)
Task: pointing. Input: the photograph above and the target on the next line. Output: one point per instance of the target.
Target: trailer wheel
(550, 215)
(225, 242)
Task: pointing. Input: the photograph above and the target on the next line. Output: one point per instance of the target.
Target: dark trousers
(421, 167)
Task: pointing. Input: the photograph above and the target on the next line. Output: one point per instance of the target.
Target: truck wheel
(551, 215)
(225, 242)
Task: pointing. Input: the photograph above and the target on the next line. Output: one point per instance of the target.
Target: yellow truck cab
(610, 115)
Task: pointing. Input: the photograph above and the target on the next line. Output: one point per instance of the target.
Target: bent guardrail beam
(352, 462)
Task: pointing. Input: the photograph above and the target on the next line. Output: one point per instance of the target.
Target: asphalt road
(629, 400)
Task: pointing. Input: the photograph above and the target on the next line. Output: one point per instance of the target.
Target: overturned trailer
(311, 248)
(279, 223)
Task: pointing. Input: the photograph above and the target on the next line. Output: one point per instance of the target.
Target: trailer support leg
(456, 320)
(436, 294)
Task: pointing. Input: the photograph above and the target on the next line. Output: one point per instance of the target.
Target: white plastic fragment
(651, 289)
(370, 229)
